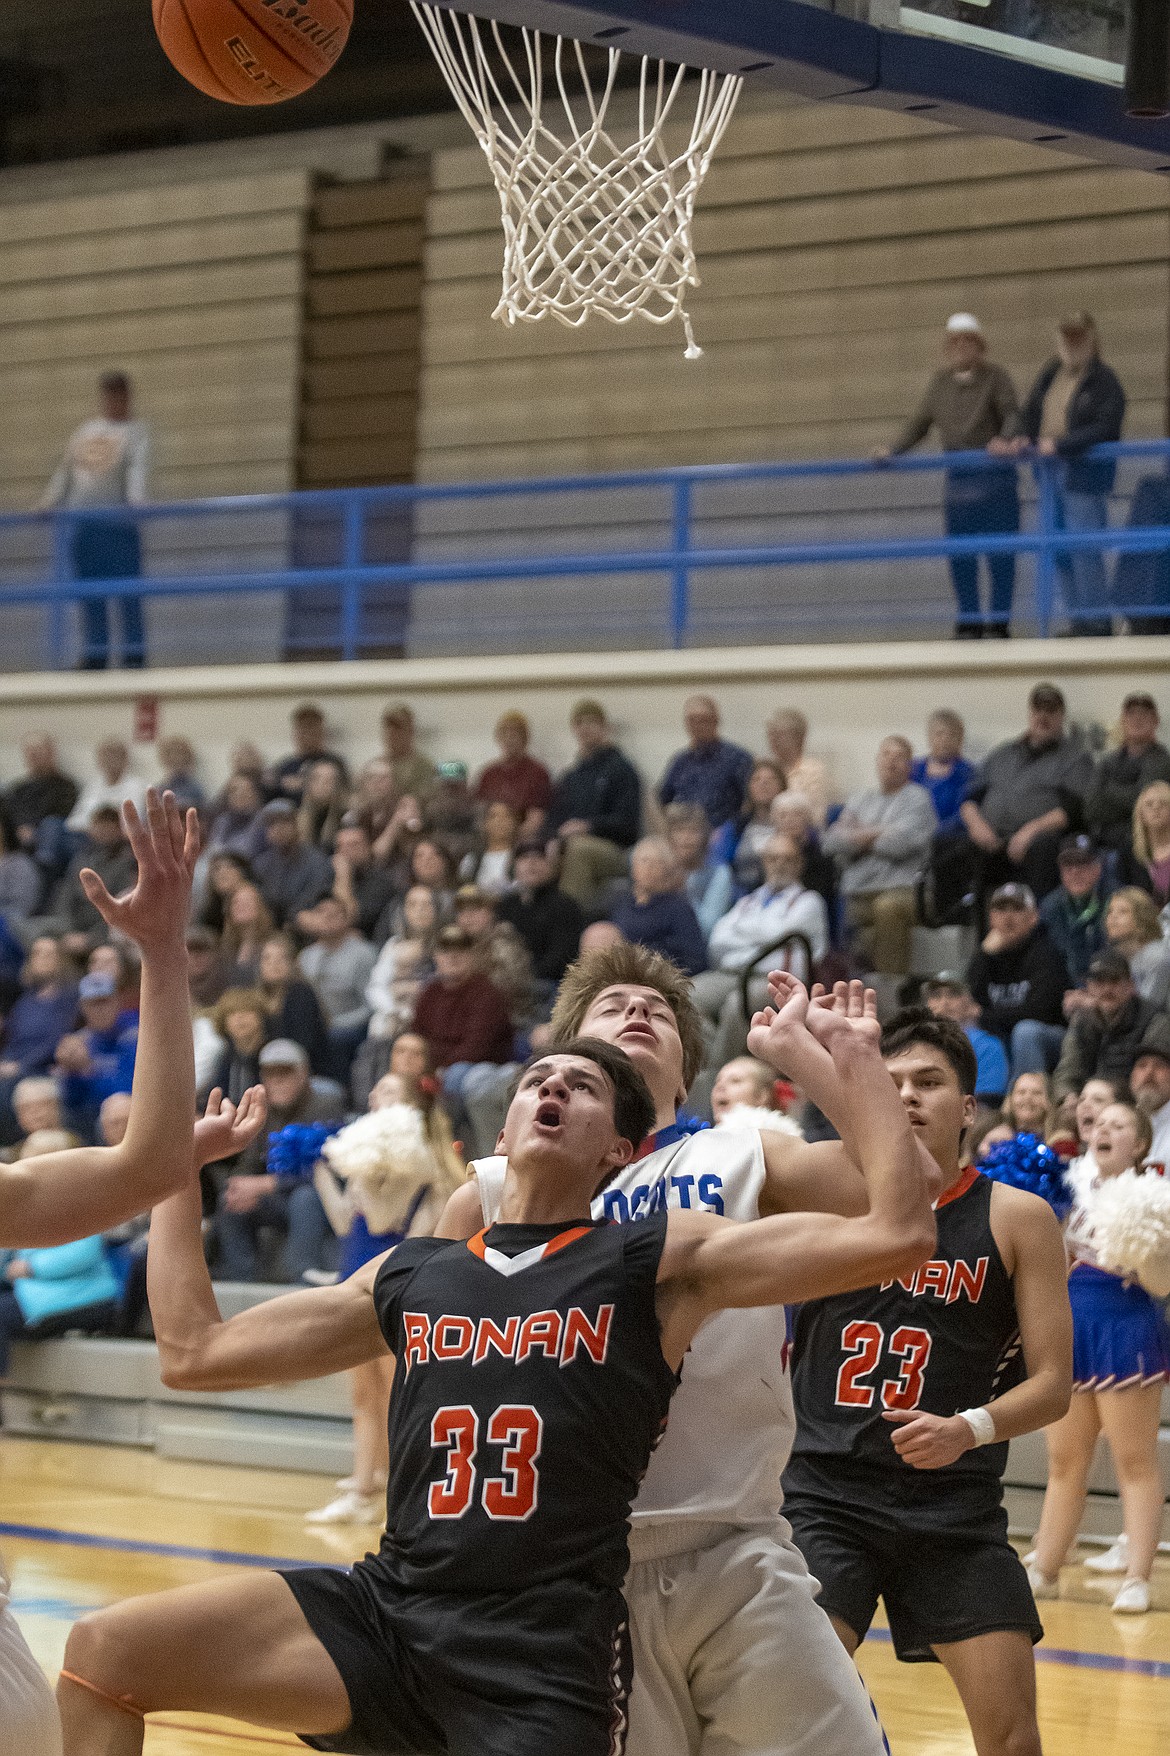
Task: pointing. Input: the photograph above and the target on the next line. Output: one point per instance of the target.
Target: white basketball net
(591, 224)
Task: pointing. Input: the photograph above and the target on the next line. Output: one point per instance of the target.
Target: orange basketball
(253, 51)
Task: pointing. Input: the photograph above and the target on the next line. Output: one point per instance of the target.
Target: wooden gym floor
(85, 1525)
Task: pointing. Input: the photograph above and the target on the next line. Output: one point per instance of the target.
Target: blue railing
(677, 556)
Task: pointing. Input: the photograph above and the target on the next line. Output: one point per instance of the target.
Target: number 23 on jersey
(866, 1349)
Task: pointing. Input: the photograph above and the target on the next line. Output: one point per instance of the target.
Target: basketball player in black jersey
(906, 1395)
(535, 1367)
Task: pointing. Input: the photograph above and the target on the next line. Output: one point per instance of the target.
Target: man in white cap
(973, 406)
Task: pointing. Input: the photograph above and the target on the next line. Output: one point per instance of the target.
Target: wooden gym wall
(833, 243)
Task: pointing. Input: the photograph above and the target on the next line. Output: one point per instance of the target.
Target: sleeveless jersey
(731, 1423)
(529, 1393)
(944, 1339)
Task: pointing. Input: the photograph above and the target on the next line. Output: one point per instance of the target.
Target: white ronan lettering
(541, 1335)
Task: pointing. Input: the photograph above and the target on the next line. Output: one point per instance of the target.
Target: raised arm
(709, 1263)
(64, 1195)
(284, 1340)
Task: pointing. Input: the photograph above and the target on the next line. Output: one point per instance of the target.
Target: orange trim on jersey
(970, 1175)
(478, 1248)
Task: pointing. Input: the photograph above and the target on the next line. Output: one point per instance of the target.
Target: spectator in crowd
(517, 779)
(45, 1011)
(287, 778)
(948, 996)
(490, 865)
(98, 1059)
(792, 815)
(20, 879)
(548, 921)
(338, 964)
(881, 842)
(1148, 861)
(47, 1292)
(240, 1017)
(596, 809)
(291, 876)
(709, 771)
(1105, 1038)
(110, 787)
(36, 1103)
(1028, 1107)
(1123, 774)
(1074, 913)
(249, 923)
(37, 807)
(122, 966)
(410, 771)
(375, 799)
(787, 736)
(429, 863)
(450, 816)
(105, 466)
(1094, 1095)
(252, 1198)
(398, 840)
(944, 771)
(781, 906)
(324, 800)
(746, 1084)
(655, 912)
(500, 953)
(1018, 978)
(237, 826)
(1121, 1365)
(464, 1022)
(404, 964)
(1133, 929)
(740, 841)
(364, 888)
(1077, 402)
(106, 852)
(226, 873)
(246, 759)
(707, 881)
(973, 406)
(179, 765)
(1149, 1081)
(294, 1011)
(1026, 797)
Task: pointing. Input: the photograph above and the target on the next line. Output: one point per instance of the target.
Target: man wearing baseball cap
(1077, 402)
(973, 407)
(1019, 980)
(1027, 796)
(1150, 1085)
(1074, 912)
(1105, 1038)
(1125, 772)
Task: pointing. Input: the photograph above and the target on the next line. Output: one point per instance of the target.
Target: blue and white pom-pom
(293, 1151)
(1130, 1220)
(1025, 1162)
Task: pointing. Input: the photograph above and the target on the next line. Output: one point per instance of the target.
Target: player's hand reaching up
(928, 1441)
(225, 1129)
(774, 1028)
(846, 1013)
(166, 846)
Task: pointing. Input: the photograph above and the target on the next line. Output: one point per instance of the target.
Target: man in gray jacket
(881, 842)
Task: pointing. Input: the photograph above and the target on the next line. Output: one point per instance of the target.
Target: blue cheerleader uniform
(361, 1245)
(1120, 1337)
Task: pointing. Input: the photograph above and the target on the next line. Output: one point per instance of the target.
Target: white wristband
(981, 1424)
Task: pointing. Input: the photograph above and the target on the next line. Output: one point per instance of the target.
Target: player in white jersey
(731, 1652)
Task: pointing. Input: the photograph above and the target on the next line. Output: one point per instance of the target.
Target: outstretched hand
(846, 1013)
(775, 1025)
(225, 1129)
(166, 846)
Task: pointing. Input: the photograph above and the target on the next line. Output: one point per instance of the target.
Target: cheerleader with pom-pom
(1118, 1236)
(383, 1178)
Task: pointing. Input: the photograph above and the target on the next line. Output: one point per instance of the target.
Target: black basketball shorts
(525, 1673)
(941, 1580)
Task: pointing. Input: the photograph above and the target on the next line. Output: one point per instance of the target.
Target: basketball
(252, 51)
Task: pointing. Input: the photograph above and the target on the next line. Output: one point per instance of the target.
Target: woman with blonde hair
(248, 924)
(1121, 1364)
(1133, 928)
(1028, 1106)
(385, 1177)
(324, 804)
(1147, 861)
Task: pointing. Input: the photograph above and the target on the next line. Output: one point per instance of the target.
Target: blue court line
(1158, 1668)
(39, 1533)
